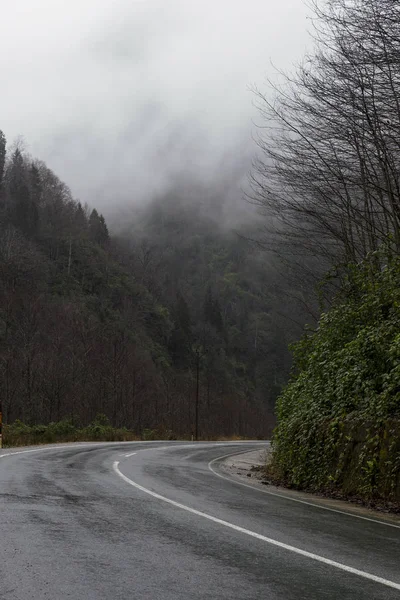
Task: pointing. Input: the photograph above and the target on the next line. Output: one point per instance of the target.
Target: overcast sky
(121, 97)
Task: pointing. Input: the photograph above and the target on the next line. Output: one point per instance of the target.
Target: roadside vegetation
(329, 171)
(99, 430)
(20, 434)
(339, 418)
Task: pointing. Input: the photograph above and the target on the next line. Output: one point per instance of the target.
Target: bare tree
(329, 169)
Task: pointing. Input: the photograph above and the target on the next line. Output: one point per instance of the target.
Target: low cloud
(121, 98)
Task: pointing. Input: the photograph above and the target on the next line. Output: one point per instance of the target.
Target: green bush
(63, 428)
(341, 411)
(18, 428)
(149, 434)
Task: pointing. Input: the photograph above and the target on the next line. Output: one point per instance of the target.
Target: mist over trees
(135, 326)
(175, 307)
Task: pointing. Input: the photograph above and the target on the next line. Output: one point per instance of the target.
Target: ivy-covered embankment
(339, 418)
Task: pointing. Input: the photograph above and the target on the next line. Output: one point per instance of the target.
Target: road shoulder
(247, 468)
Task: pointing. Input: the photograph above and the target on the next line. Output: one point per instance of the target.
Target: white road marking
(180, 447)
(258, 536)
(110, 444)
(72, 446)
(44, 449)
(253, 534)
(85, 445)
(253, 487)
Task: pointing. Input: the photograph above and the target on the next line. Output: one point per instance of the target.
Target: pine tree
(212, 311)
(24, 211)
(98, 229)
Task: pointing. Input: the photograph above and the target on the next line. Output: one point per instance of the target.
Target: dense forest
(173, 312)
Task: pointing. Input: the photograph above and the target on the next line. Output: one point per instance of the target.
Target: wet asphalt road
(89, 522)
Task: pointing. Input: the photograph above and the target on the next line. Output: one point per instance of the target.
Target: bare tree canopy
(329, 168)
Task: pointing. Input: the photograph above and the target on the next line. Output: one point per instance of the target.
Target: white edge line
(258, 536)
(181, 447)
(276, 495)
(70, 447)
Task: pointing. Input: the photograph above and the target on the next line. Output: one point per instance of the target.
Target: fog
(123, 98)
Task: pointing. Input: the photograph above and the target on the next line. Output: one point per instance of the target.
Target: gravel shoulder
(247, 468)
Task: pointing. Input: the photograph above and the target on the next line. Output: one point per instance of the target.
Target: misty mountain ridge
(99, 323)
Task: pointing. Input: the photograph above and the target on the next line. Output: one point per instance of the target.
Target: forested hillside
(135, 326)
(330, 172)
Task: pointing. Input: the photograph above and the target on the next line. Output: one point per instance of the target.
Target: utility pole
(199, 354)
(197, 393)
(1, 425)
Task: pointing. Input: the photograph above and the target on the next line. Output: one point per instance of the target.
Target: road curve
(152, 521)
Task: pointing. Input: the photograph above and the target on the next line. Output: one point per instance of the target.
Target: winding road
(153, 520)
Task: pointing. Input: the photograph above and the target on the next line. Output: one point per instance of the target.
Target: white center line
(258, 536)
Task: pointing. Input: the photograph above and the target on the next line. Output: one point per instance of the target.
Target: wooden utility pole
(1, 425)
(199, 354)
(197, 394)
